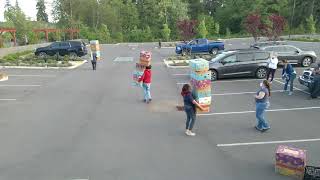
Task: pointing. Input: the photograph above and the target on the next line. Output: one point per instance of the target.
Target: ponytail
(268, 86)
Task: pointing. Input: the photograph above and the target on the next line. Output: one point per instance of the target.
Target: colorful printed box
(205, 84)
(199, 65)
(145, 56)
(290, 161)
(200, 76)
(202, 93)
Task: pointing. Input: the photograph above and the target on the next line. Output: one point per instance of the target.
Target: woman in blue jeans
(288, 74)
(262, 103)
(190, 108)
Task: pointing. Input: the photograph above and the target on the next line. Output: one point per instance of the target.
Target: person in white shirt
(272, 66)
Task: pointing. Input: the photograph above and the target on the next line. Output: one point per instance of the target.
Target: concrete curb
(30, 67)
(173, 67)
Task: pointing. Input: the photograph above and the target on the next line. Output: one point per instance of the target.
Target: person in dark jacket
(146, 83)
(190, 108)
(315, 86)
(288, 74)
(94, 61)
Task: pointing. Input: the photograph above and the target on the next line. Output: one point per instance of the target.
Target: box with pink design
(290, 161)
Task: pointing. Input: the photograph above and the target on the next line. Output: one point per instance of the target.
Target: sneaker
(290, 93)
(265, 129)
(258, 128)
(144, 100)
(192, 133)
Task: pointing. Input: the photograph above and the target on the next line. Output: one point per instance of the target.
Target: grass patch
(27, 58)
(207, 57)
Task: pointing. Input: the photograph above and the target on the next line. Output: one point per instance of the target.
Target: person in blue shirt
(288, 74)
(190, 108)
(262, 103)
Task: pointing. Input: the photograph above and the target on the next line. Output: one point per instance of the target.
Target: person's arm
(197, 104)
(141, 78)
(260, 95)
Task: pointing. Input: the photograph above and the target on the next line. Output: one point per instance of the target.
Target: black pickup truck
(72, 48)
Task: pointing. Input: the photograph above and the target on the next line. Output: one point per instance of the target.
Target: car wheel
(214, 51)
(214, 75)
(261, 73)
(42, 55)
(306, 62)
(73, 55)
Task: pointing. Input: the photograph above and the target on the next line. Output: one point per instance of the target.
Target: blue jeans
(291, 79)
(146, 91)
(191, 117)
(260, 110)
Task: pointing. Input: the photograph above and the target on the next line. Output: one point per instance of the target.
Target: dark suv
(240, 63)
(293, 54)
(72, 48)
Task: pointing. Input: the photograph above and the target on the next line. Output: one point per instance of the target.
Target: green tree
(104, 34)
(41, 11)
(202, 30)
(311, 25)
(217, 28)
(147, 34)
(16, 17)
(166, 32)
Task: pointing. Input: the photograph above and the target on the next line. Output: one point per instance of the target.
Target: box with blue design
(200, 76)
(199, 65)
(201, 83)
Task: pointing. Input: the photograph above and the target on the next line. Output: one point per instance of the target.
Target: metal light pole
(292, 15)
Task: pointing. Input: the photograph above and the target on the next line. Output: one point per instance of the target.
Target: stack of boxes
(144, 61)
(95, 48)
(290, 161)
(201, 83)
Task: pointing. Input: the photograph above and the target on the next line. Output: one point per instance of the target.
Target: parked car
(72, 48)
(293, 54)
(200, 46)
(267, 43)
(307, 77)
(240, 63)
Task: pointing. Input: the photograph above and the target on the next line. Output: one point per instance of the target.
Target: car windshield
(221, 56)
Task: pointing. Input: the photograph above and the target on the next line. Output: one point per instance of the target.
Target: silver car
(293, 54)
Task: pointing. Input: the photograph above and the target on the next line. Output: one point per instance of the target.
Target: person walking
(190, 108)
(272, 66)
(262, 103)
(94, 61)
(288, 74)
(315, 86)
(146, 84)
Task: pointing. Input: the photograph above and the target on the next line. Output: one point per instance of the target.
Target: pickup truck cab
(200, 46)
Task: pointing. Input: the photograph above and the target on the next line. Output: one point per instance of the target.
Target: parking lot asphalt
(81, 124)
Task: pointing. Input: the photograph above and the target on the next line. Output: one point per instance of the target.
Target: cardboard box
(290, 161)
(206, 108)
(145, 56)
(205, 84)
(199, 65)
(200, 76)
(145, 63)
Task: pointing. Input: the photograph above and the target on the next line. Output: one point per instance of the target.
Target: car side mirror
(297, 51)
(223, 62)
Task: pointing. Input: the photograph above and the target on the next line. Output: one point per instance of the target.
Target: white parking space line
(12, 85)
(241, 93)
(270, 110)
(180, 74)
(293, 87)
(31, 75)
(7, 99)
(229, 81)
(267, 142)
(123, 59)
